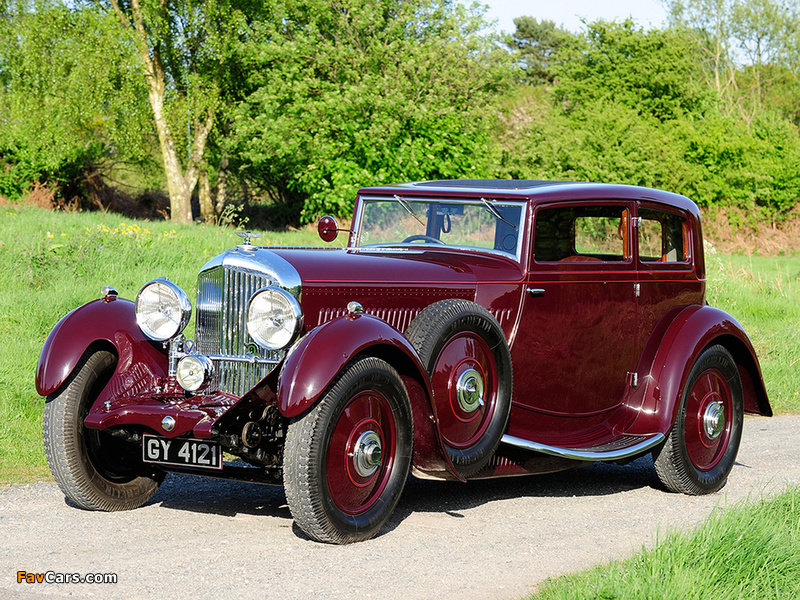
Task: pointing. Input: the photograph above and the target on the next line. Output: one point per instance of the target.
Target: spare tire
(466, 354)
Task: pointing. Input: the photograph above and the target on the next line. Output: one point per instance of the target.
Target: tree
(654, 72)
(68, 101)
(534, 43)
(354, 92)
(750, 45)
(183, 47)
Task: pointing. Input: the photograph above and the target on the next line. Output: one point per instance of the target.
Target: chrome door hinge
(637, 289)
(634, 379)
(637, 222)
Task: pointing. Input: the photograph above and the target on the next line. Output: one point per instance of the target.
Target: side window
(662, 237)
(581, 234)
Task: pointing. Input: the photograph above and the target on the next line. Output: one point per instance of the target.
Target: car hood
(340, 266)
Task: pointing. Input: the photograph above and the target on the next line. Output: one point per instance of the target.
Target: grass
(763, 294)
(751, 550)
(52, 262)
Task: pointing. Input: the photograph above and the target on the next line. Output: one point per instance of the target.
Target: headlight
(194, 372)
(162, 309)
(273, 318)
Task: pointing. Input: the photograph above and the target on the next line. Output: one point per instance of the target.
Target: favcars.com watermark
(53, 577)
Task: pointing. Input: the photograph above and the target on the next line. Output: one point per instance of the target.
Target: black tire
(95, 470)
(701, 448)
(336, 489)
(470, 433)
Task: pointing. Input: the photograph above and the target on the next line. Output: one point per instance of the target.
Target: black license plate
(181, 452)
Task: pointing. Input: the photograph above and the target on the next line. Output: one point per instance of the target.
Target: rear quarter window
(663, 237)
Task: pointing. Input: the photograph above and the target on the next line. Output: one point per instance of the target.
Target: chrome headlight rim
(178, 300)
(288, 333)
(200, 375)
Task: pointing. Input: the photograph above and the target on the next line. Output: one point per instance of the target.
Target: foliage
(364, 91)
(185, 54)
(534, 44)
(652, 71)
(64, 106)
(633, 106)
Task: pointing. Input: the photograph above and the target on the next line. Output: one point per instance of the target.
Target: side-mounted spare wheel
(701, 448)
(347, 459)
(466, 354)
(95, 470)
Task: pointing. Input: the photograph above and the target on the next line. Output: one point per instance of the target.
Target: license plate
(181, 452)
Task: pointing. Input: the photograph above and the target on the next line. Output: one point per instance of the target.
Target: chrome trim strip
(577, 454)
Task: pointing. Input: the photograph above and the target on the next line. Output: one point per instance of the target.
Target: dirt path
(203, 538)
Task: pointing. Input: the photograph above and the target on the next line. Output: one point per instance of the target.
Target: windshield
(485, 224)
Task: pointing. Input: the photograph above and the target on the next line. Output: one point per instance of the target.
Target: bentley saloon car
(469, 329)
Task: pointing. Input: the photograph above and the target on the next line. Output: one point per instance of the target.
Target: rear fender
(692, 331)
(108, 322)
(312, 365)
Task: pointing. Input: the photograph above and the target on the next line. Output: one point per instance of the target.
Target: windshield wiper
(490, 207)
(405, 205)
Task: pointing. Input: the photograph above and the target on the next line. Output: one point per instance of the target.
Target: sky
(647, 13)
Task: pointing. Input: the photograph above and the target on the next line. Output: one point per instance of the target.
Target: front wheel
(95, 470)
(701, 448)
(346, 461)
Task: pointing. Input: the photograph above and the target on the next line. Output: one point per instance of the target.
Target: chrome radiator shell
(224, 287)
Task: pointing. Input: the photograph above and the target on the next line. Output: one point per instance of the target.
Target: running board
(623, 447)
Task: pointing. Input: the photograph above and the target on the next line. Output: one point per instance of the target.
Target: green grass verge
(763, 294)
(749, 551)
(52, 262)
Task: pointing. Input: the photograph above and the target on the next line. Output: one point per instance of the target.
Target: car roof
(536, 191)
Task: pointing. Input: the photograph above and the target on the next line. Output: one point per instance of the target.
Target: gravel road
(203, 538)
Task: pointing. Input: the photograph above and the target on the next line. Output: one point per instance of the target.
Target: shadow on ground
(230, 498)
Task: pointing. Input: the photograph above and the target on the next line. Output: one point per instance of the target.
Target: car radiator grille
(222, 296)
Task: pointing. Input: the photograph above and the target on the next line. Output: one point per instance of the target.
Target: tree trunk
(222, 186)
(206, 201)
(179, 185)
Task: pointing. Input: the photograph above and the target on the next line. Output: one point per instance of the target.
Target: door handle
(535, 292)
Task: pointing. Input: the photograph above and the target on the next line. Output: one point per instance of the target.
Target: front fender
(691, 331)
(312, 365)
(110, 321)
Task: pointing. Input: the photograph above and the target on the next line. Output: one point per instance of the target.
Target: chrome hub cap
(367, 454)
(469, 391)
(714, 419)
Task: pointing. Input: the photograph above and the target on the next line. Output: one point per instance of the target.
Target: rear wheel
(466, 354)
(95, 470)
(346, 461)
(701, 448)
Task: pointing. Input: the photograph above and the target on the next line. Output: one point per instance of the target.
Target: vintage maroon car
(470, 329)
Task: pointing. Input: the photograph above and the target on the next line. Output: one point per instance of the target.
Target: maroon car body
(470, 329)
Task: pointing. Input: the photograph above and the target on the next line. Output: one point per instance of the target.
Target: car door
(667, 270)
(574, 349)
